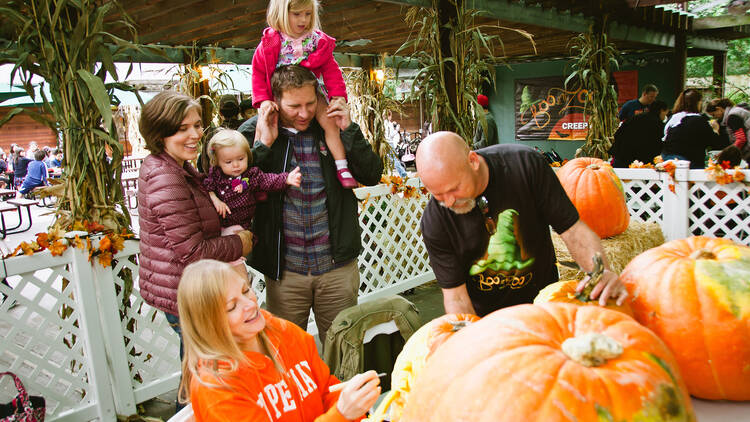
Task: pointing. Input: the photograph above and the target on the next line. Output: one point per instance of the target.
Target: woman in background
(736, 124)
(688, 133)
(20, 166)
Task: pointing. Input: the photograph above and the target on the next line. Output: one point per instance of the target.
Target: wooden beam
(719, 73)
(189, 22)
(230, 34)
(446, 15)
(517, 13)
(731, 33)
(180, 54)
(160, 11)
(622, 32)
(645, 3)
(715, 44)
(716, 22)
(680, 59)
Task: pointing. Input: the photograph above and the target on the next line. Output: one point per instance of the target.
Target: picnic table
(16, 205)
(7, 193)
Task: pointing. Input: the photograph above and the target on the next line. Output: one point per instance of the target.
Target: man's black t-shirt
(630, 109)
(525, 197)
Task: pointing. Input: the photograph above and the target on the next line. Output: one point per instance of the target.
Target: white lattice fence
(151, 347)
(394, 257)
(719, 210)
(53, 355)
(63, 332)
(44, 349)
(644, 194)
(688, 204)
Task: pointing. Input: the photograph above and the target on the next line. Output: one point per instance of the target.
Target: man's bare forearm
(457, 301)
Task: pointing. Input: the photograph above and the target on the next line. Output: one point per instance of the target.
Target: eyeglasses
(489, 222)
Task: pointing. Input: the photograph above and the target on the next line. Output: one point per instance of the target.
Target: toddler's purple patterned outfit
(254, 183)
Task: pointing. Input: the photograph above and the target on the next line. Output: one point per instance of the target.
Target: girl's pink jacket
(320, 62)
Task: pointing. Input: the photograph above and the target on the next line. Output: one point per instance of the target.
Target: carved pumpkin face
(550, 362)
(597, 194)
(694, 293)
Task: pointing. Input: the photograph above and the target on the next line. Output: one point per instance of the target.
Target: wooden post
(680, 59)
(720, 73)
(447, 14)
(200, 88)
(92, 332)
(676, 217)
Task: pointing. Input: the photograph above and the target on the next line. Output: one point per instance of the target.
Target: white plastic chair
(184, 415)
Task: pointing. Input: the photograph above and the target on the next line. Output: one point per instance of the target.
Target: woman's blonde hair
(228, 138)
(207, 338)
(277, 14)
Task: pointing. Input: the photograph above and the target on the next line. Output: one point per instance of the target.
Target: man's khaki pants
(327, 294)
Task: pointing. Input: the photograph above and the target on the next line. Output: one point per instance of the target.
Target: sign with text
(547, 111)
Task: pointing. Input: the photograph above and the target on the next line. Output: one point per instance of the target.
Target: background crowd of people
(692, 129)
(26, 169)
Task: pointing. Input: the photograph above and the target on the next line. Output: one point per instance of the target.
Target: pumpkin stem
(457, 325)
(593, 166)
(591, 349)
(594, 276)
(702, 253)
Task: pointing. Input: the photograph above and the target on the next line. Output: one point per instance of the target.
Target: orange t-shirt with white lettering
(257, 392)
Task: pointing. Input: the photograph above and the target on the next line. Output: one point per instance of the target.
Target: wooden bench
(7, 193)
(42, 201)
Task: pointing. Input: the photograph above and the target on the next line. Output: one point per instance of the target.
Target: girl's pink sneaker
(346, 179)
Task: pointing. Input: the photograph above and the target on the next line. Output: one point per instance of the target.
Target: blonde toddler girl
(294, 38)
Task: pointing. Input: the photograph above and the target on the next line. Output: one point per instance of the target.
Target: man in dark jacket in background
(639, 138)
(309, 237)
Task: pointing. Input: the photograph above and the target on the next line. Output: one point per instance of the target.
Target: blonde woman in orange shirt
(243, 364)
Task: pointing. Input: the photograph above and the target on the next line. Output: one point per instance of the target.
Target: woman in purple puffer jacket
(178, 222)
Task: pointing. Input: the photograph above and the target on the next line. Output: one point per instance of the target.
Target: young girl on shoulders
(294, 37)
(233, 185)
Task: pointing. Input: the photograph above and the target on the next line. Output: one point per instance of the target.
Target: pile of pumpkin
(685, 330)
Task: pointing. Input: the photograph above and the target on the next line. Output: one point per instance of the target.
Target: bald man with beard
(486, 226)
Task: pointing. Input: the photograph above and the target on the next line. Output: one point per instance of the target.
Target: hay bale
(620, 249)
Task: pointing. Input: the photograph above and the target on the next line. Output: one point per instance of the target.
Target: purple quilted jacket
(178, 225)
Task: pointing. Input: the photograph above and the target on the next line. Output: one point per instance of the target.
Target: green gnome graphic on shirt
(506, 261)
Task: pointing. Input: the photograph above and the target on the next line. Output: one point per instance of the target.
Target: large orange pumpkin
(694, 293)
(597, 194)
(550, 362)
(412, 359)
(565, 292)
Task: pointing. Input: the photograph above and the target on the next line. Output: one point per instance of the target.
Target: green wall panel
(655, 68)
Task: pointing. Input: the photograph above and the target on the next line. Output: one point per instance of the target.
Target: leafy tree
(738, 52)
(738, 61)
